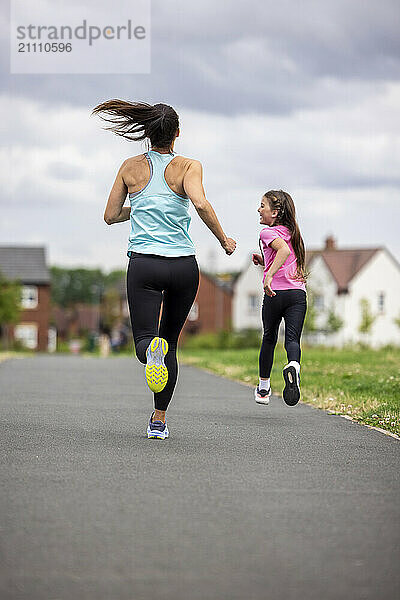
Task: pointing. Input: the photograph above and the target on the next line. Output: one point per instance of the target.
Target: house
(28, 265)
(346, 283)
(342, 283)
(247, 298)
(75, 321)
(212, 309)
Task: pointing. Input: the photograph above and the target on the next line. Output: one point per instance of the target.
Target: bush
(62, 346)
(208, 341)
(18, 346)
(247, 338)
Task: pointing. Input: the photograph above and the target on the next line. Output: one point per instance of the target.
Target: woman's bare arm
(193, 186)
(115, 211)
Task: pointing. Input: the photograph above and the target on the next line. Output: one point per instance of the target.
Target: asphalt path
(242, 502)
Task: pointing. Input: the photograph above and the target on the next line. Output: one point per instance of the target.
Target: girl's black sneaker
(291, 375)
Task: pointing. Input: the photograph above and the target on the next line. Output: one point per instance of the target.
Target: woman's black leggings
(292, 306)
(153, 279)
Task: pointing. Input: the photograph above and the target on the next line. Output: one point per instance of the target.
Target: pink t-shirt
(282, 280)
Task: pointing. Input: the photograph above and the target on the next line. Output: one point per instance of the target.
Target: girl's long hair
(282, 202)
(137, 121)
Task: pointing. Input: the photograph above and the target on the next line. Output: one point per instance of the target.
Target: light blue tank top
(159, 218)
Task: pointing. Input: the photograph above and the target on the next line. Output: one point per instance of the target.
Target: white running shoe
(291, 375)
(157, 429)
(262, 396)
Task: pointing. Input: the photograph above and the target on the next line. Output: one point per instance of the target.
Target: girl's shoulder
(275, 231)
(267, 229)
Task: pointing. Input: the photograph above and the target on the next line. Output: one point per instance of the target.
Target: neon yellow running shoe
(156, 371)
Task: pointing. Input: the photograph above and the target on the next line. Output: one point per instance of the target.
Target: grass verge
(5, 354)
(361, 383)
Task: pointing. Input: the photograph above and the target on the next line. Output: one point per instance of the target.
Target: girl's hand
(257, 259)
(267, 286)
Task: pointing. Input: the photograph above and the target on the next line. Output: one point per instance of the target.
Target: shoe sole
(291, 393)
(156, 371)
(153, 435)
(260, 399)
(264, 402)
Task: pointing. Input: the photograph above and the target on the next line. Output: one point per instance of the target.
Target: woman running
(162, 264)
(283, 258)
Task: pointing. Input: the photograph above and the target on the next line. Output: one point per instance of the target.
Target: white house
(247, 298)
(341, 281)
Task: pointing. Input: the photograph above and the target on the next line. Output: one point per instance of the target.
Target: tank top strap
(158, 163)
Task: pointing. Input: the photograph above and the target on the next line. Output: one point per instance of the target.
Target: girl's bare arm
(282, 252)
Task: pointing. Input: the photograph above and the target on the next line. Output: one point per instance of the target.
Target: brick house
(212, 308)
(28, 266)
(75, 321)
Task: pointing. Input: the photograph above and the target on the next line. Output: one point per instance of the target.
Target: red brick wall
(39, 315)
(215, 308)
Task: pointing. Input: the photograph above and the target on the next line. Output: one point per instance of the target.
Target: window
(29, 297)
(194, 312)
(27, 334)
(381, 302)
(252, 303)
(319, 302)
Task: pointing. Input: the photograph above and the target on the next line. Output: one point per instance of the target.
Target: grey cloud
(286, 55)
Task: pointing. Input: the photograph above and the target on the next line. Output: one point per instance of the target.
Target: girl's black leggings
(152, 280)
(291, 305)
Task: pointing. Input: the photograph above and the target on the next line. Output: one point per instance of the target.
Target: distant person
(104, 344)
(283, 258)
(115, 340)
(162, 265)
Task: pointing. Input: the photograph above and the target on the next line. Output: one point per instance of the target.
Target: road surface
(242, 502)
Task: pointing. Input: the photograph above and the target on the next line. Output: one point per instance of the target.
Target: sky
(300, 96)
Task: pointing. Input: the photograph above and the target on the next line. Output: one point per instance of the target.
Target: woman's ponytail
(136, 121)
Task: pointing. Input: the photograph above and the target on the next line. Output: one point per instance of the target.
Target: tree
(310, 325)
(86, 286)
(333, 322)
(72, 286)
(367, 318)
(10, 304)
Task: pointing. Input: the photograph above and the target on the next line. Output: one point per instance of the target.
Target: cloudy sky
(299, 96)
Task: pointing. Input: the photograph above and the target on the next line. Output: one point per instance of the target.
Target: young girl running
(283, 258)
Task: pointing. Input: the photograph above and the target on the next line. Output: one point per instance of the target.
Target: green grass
(359, 382)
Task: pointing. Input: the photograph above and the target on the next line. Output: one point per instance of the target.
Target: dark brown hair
(282, 202)
(137, 121)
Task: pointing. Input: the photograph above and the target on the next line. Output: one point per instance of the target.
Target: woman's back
(136, 173)
(159, 206)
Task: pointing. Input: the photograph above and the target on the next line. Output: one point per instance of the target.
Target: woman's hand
(258, 259)
(229, 245)
(267, 286)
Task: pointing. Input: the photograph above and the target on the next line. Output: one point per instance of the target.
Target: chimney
(330, 243)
